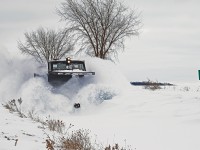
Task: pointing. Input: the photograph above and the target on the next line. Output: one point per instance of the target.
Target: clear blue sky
(168, 48)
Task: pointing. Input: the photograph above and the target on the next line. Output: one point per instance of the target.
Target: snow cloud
(17, 80)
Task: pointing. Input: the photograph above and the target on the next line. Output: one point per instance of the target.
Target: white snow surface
(114, 111)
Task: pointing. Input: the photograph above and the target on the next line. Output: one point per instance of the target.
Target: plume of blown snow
(106, 72)
(16, 80)
(38, 96)
(13, 74)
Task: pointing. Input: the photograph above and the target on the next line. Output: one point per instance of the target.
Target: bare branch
(45, 45)
(100, 25)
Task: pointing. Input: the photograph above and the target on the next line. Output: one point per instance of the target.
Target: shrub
(151, 85)
(55, 125)
(15, 106)
(33, 116)
(77, 140)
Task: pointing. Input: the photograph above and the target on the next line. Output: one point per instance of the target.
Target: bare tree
(45, 45)
(100, 25)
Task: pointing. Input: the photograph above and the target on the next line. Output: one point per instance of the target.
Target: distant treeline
(143, 83)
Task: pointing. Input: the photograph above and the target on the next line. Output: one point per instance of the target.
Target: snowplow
(60, 71)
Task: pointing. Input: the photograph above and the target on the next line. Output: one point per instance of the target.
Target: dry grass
(117, 147)
(151, 85)
(55, 125)
(33, 116)
(15, 106)
(51, 124)
(77, 140)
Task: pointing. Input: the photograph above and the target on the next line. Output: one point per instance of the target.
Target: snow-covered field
(114, 111)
